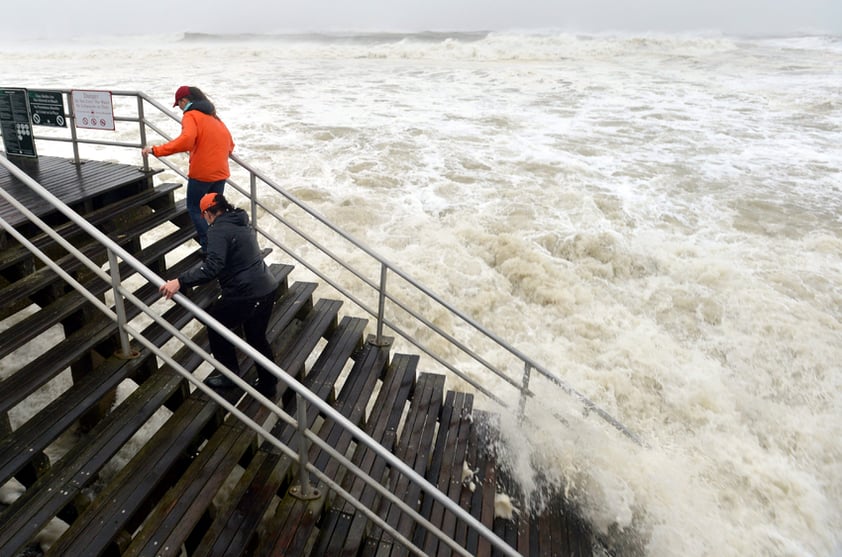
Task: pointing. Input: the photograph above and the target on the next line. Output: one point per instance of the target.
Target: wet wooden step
(237, 520)
(35, 286)
(414, 448)
(57, 488)
(227, 523)
(446, 469)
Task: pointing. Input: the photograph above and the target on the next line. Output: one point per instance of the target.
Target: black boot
(267, 385)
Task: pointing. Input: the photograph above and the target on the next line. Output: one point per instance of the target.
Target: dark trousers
(253, 314)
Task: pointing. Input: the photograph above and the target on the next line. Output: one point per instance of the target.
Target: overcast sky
(63, 18)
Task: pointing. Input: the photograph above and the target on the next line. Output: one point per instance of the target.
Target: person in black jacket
(248, 288)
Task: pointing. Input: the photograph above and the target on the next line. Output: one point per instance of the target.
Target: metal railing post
(379, 339)
(126, 351)
(73, 137)
(524, 390)
(303, 490)
(141, 125)
(253, 189)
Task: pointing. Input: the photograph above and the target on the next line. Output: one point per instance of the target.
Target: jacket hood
(237, 217)
(202, 106)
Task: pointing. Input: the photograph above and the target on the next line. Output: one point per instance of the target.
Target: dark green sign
(47, 108)
(16, 123)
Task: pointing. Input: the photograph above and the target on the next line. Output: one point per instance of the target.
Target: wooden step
(154, 198)
(235, 524)
(56, 491)
(38, 432)
(26, 516)
(482, 500)
(347, 336)
(556, 530)
(36, 285)
(57, 417)
(446, 468)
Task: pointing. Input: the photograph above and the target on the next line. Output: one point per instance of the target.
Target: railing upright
(381, 305)
(119, 306)
(303, 490)
(253, 198)
(524, 391)
(73, 136)
(141, 125)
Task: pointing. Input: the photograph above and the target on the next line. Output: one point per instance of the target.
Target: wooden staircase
(201, 482)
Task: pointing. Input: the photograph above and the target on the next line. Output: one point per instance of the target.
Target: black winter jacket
(234, 258)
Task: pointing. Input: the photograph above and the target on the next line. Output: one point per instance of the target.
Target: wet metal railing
(463, 352)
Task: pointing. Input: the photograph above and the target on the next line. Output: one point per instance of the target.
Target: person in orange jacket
(206, 138)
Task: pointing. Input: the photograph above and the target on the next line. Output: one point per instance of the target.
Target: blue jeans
(195, 191)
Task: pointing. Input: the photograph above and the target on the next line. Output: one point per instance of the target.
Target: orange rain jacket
(207, 140)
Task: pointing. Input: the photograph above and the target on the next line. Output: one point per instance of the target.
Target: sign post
(16, 123)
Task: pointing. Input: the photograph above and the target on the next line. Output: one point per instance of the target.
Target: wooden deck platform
(75, 184)
(162, 470)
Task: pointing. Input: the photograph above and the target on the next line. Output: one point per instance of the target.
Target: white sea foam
(656, 218)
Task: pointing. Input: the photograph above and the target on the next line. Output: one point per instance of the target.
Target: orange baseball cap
(208, 200)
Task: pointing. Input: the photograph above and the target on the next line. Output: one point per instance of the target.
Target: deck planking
(72, 183)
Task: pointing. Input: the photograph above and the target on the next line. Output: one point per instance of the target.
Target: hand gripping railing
(120, 292)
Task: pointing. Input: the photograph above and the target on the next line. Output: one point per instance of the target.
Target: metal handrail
(289, 380)
(524, 362)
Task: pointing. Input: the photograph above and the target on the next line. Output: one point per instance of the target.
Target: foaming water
(655, 218)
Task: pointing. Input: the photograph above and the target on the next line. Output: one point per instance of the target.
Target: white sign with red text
(93, 110)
